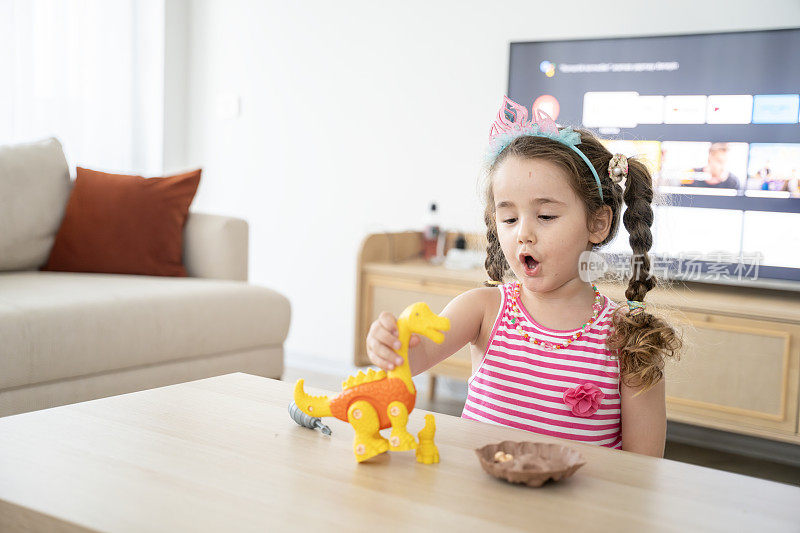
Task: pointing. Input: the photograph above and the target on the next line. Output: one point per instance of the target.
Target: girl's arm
(644, 419)
(466, 313)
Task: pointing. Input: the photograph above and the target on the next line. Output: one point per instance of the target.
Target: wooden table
(222, 454)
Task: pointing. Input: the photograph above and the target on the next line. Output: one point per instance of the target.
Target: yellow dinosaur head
(423, 321)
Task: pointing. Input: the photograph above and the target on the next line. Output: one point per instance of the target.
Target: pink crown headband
(512, 122)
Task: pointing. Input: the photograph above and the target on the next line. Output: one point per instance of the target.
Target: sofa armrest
(215, 246)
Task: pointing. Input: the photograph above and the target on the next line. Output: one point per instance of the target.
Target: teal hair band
(591, 167)
(565, 136)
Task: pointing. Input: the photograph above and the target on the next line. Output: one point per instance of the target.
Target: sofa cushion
(119, 224)
(34, 187)
(56, 325)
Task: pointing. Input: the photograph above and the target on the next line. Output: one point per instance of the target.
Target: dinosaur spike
(361, 377)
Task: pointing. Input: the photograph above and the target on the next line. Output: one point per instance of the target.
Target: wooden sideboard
(740, 371)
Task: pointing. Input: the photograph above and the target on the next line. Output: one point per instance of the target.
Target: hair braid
(496, 264)
(638, 219)
(642, 341)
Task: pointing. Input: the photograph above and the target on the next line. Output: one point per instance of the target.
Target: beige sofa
(71, 337)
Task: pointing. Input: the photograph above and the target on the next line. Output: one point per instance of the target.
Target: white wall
(355, 115)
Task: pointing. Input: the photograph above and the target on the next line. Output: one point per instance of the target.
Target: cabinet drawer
(736, 372)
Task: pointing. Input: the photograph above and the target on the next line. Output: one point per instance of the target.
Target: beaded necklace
(518, 317)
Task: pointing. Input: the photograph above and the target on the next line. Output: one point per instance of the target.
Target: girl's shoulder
(485, 297)
(613, 307)
(484, 301)
(612, 304)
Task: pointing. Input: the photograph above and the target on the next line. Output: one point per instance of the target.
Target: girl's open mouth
(531, 265)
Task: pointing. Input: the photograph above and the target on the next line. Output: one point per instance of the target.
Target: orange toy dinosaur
(379, 400)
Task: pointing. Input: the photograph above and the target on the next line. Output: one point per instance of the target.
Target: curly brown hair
(642, 342)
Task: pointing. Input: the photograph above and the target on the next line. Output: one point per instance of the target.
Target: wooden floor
(686, 453)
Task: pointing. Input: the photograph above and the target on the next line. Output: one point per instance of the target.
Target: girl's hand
(382, 341)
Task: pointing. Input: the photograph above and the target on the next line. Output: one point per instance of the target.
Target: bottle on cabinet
(459, 257)
(431, 235)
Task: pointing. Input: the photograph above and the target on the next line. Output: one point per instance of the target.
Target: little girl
(550, 354)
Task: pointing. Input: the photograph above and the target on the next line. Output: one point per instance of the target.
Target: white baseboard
(319, 364)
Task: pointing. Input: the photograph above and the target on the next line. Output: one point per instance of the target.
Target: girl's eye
(548, 217)
(509, 221)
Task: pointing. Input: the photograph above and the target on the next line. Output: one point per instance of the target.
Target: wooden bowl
(534, 463)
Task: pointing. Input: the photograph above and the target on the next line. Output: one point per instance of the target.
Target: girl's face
(541, 223)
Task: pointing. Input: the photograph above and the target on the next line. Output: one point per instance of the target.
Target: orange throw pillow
(121, 224)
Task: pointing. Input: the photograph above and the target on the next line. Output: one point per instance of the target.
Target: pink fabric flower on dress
(584, 399)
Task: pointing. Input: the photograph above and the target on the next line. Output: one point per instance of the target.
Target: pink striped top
(522, 385)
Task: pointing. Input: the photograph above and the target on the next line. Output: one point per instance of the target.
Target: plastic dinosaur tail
(311, 405)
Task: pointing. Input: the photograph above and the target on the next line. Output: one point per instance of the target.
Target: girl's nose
(525, 234)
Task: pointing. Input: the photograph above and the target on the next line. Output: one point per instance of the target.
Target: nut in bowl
(529, 463)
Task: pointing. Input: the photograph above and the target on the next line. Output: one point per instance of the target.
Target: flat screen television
(716, 117)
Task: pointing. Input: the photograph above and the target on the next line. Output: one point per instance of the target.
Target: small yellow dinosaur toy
(427, 449)
(379, 399)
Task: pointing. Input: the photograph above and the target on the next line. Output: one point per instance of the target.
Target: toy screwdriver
(305, 420)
